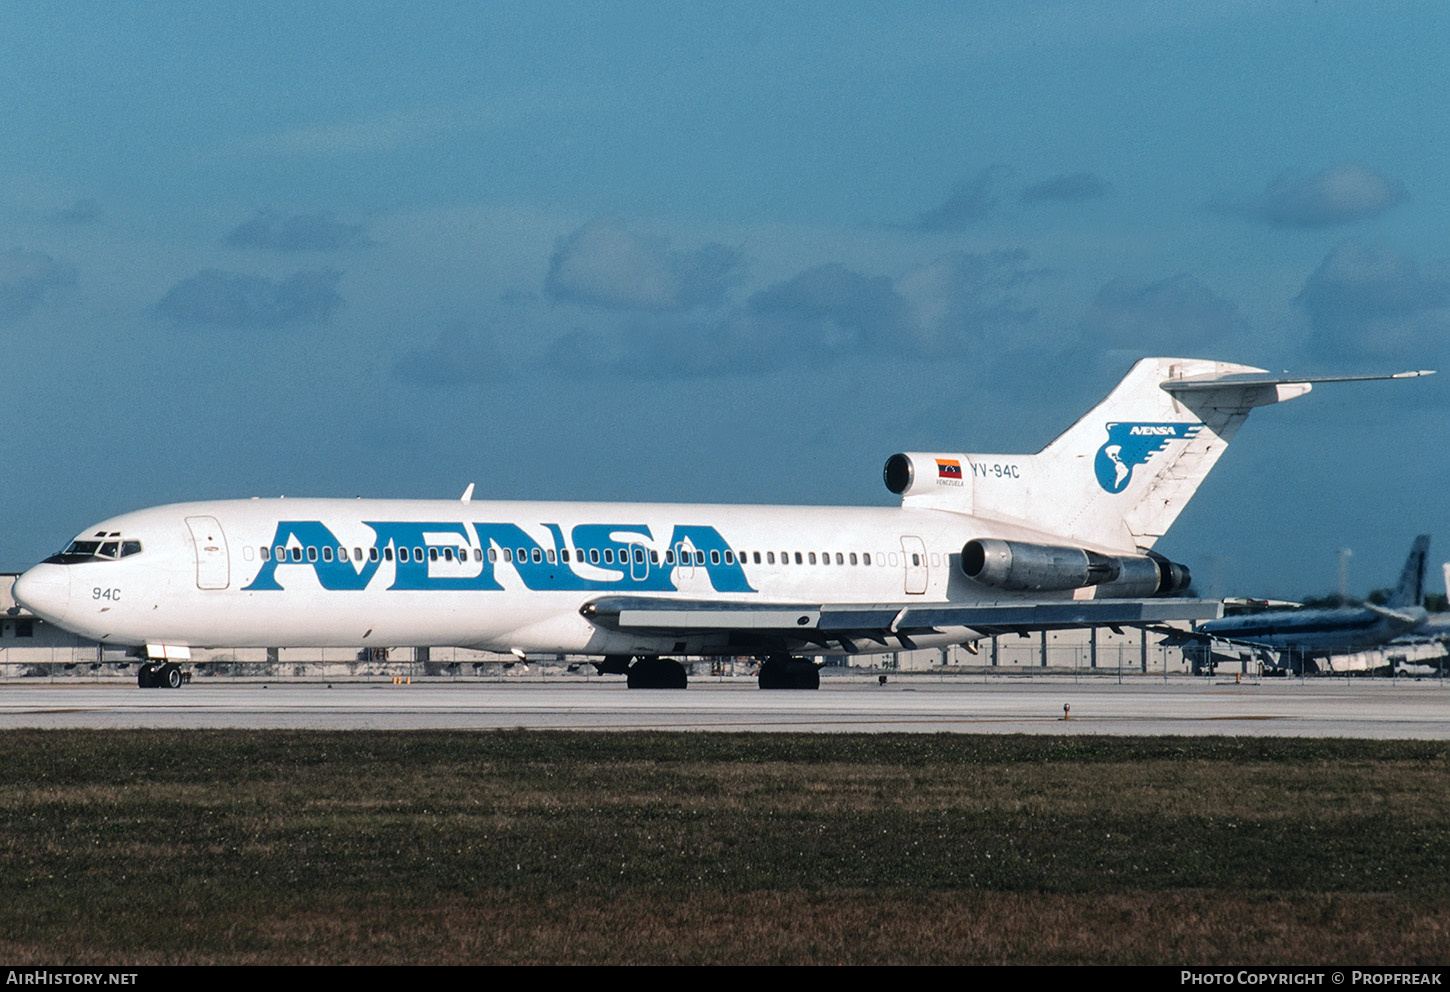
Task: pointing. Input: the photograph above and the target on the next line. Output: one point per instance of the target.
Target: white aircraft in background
(981, 544)
(1296, 639)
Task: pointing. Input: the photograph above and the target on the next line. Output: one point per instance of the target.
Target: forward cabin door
(913, 550)
(213, 571)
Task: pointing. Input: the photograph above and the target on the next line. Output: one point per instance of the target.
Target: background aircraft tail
(1410, 591)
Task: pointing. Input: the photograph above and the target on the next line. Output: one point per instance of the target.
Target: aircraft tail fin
(1121, 475)
(1410, 591)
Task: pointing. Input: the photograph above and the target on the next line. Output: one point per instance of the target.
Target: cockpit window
(83, 551)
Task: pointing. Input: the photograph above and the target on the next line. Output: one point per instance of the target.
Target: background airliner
(1297, 639)
(980, 544)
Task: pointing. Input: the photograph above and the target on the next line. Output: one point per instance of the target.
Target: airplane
(1296, 639)
(981, 544)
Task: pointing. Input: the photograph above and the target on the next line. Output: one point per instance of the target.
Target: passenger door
(213, 570)
(913, 552)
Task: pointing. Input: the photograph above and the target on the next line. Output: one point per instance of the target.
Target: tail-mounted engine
(1018, 566)
(914, 473)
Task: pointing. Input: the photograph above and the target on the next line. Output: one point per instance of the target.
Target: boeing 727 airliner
(980, 544)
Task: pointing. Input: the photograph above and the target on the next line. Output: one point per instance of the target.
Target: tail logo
(1132, 444)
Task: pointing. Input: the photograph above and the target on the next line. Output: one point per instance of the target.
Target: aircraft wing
(844, 624)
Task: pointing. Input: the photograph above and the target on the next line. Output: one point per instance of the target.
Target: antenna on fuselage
(467, 494)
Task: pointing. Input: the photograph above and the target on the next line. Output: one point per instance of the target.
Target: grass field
(355, 847)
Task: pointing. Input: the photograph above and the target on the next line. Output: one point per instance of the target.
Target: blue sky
(708, 252)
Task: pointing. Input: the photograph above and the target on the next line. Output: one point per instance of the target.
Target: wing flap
(811, 621)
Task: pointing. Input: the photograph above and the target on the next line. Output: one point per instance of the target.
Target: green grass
(280, 847)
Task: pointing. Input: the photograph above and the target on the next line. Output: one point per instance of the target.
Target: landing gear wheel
(170, 676)
(656, 673)
(146, 676)
(789, 673)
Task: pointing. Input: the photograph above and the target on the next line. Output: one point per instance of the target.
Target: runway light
(1067, 711)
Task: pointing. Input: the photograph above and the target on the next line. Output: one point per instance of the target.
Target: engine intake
(916, 473)
(1021, 567)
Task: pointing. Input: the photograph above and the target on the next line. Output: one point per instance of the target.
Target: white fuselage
(492, 575)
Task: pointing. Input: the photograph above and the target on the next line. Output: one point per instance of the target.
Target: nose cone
(45, 591)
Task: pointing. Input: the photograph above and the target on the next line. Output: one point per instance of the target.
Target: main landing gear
(649, 672)
(646, 672)
(161, 675)
(789, 673)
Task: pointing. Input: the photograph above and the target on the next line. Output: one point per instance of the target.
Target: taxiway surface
(1294, 708)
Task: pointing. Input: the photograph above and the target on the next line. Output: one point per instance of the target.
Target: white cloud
(1342, 194)
(971, 200)
(1171, 314)
(1368, 300)
(604, 265)
(228, 299)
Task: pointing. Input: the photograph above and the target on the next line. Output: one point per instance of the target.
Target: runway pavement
(1359, 708)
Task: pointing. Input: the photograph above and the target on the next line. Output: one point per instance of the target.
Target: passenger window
(866, 558)
(327, 554)
(757, 557)
(853, 557)
(594, 556)
(550, 555)
(811, 557)
(669, 556)
(729, 557)
(447, 554)
(536, 556)
(478, 554)
(714, 557)
(432, 554)
(770, 557)
(654, 557)
(402, 554)
(311, 553)
(639, 556)
(915, 558)
(699, 557)
(798, 559)
(417, 554)
(508, 554)
(373, 553)
(840, 559)
(564, 555)
(266, 553)
(388, 553)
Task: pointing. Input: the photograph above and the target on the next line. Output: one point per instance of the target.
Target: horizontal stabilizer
(1199, 383)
